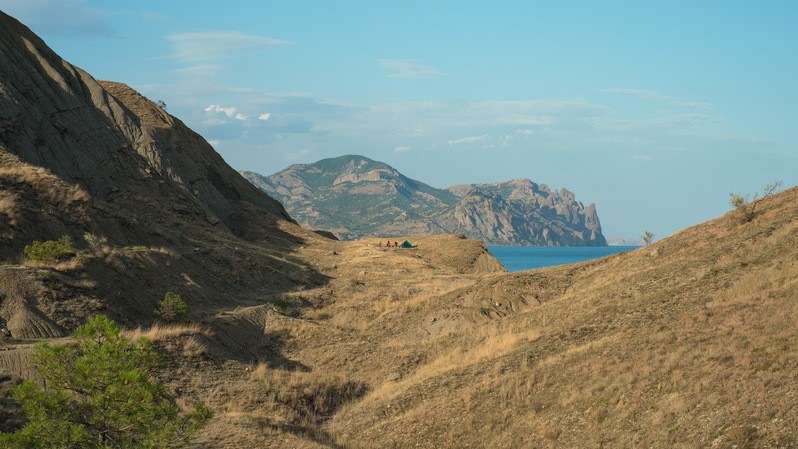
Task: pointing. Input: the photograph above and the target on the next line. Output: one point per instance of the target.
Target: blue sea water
(518, 258)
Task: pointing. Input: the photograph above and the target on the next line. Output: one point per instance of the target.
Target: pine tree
(99, 391)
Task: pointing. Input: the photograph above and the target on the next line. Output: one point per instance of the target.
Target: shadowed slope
(115, 145)
(150, 205)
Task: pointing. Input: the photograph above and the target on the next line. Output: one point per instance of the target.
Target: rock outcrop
(355, 197)
(521, 212)
(106, 140)
(132, 187)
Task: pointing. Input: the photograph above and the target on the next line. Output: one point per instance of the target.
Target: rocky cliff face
(132, 186)
(355, 197)
(521, 212)
(107, 140)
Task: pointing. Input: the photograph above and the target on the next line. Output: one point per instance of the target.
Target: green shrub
(50, 250)
(99, 391)
(172, 309)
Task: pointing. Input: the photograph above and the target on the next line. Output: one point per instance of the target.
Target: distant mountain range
(354, 196)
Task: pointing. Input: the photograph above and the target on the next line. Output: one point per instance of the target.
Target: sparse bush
(647, 237)
(99, 391)
(279, 304)
(96, 243)
(51, 251)
(172, 309)
(746, 208)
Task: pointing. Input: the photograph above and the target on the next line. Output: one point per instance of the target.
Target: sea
(519, 258)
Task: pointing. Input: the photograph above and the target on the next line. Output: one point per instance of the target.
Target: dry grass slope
(689, 342)
(304, 342)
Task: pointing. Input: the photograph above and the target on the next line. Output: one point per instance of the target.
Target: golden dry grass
(8, 208)
(687, 343)
(160, 332)
(653, 348)
(48, 186)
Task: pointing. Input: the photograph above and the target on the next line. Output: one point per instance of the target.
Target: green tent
(406, 244)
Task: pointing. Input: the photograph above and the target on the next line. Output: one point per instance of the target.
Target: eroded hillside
(299, 341)
(689, 342)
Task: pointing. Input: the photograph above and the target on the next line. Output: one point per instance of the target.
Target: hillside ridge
(354, 197)
(300, 341)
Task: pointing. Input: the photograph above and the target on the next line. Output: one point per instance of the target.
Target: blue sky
(653, 110)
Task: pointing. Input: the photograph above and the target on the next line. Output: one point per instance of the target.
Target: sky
(655, 111)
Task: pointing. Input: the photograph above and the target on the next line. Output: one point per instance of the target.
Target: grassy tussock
(160, 332)
(8, 207)
(287, 399)
(486, 345)
(46, 184)
(762, 280)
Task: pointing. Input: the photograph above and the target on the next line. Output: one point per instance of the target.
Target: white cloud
(653, 95)
(403, 68)
(215, 143)
(215, 45)
(241, 117)
(469, 140)
(265, 116)
(401, 149)
(201, 71)
(228, 111)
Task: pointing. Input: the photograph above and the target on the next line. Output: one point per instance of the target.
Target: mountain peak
(355, 197)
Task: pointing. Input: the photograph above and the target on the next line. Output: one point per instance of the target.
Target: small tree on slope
(746, 208)
(99, 391)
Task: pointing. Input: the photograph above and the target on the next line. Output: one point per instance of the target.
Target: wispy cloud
(401, 149)
(199, 71)
(403, 68)
(644, 94)
(469, 140)
(265, 117)
(215, 45)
